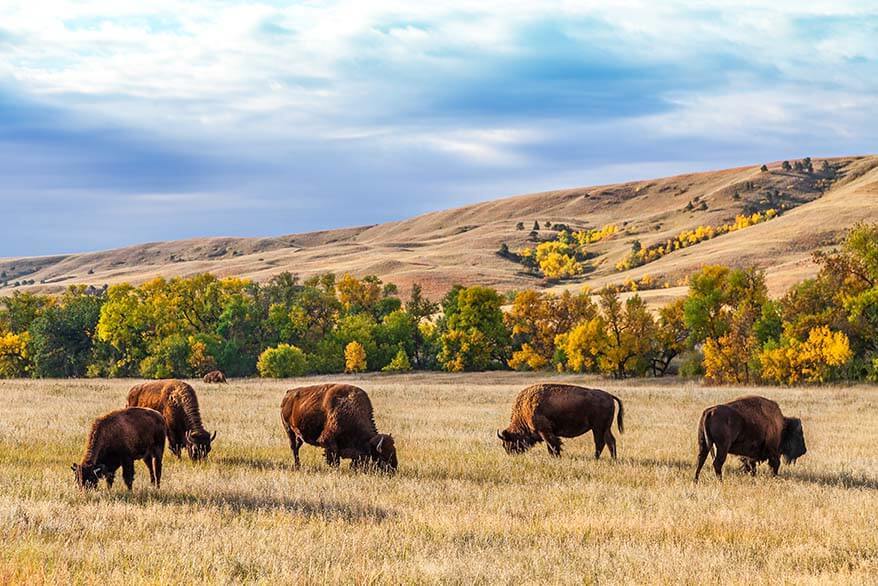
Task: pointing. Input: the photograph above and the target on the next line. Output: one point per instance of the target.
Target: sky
(124, 121)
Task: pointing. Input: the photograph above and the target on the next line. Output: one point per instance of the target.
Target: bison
(753, 428)
(118, 439)
(548, 412)
(178, 404)
(337, 418)
(214, 376)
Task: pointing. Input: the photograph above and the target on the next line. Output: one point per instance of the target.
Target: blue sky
(125, 121)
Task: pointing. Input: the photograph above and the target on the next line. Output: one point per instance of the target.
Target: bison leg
(774, 463)
(148, 460)
(330, 452)
(703, 450)
(110, 477)
(157, 469)
(749, 466)
(600, 441)
(611, 443)
(553, 442)
(720, 459)
(295, 443)
(128, 473)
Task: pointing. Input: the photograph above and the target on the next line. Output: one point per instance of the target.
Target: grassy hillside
(459, 245)
(460, 511)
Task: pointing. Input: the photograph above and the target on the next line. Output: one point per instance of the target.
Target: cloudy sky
(124, 121)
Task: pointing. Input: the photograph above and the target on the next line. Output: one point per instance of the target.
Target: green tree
(282, 361)
(61, 338)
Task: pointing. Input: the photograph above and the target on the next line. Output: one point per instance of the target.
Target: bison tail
(704, 438)
(620, 416)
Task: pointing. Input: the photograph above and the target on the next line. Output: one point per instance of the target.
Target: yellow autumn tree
(13, 355)
(581, 347)
(536, 319)
(354, 357)
(811, 361)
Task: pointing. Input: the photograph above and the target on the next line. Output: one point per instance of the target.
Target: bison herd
(339, 419)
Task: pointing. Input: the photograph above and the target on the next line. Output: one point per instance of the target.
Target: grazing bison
(177, 403)
(750, 427)
(118, 439)
(337, 418)
(215, 376)
(548, 412)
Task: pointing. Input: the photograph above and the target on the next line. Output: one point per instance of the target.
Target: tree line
(726, 329)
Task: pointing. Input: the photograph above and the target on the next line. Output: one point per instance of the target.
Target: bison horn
(189, 436)
(380, 442)
(499, 435)
(213, 437)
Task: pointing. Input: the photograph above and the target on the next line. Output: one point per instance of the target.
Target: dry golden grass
(459, 511)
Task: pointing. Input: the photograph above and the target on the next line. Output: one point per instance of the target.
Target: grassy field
(459, 511)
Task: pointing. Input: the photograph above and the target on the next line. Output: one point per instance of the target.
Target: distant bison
(178, 404)
(118, 439)
(750, 427)
(548, 412)
(214, 376)
(339, 419)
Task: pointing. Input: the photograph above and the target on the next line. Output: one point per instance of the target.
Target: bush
(354, 357)
(400, 363)
(282, 361)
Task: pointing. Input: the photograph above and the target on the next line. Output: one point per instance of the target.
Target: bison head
(382, 451)
(792, 442)
(514, 442)
(87, 476)
(198, 444)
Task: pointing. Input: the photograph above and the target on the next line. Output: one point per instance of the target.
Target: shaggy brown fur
(214, 376)
(337, 418)
(753, 428)
(178, 404)
(548, 412)
(118, 439)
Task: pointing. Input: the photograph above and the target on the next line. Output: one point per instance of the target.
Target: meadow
(459, 511)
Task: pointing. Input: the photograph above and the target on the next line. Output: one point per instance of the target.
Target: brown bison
(118, 439)
(548, 412)
(337, 418)
(750, 427)
(214, 376)
(177, 403)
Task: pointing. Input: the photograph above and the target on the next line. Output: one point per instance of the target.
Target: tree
(354, 357)
(282, 361)
(400, 363)
(21, 309)
(630, 335)
(786, 166)
(536, 226)
(61, 339)
(518, 226)
(763, 168)
(671, 336)
(13, 355)
(813, 361)
(475, 309)
(537, 319)
(580, 349)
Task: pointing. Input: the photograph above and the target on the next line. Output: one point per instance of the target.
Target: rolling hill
(460, 245)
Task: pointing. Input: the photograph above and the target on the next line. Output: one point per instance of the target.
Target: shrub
(400, 363)
(354, 357)
(282, 361)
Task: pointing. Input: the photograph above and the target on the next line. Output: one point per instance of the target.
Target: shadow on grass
(839, 480)
(671, 463)
(324, 510)
(257, 463)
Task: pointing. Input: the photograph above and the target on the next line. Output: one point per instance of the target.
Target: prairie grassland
(459, 511)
